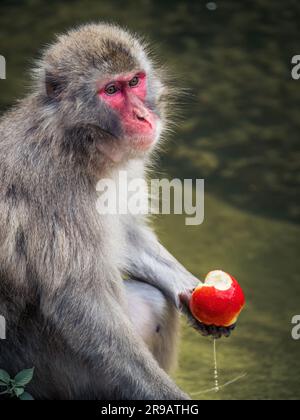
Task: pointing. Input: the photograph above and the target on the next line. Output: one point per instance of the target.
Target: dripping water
(216, 373)
(217, 387)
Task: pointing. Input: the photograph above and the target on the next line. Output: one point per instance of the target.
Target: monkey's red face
(126, 96)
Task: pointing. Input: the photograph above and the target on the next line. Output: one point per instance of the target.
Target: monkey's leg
(100, 333)
(155, 319)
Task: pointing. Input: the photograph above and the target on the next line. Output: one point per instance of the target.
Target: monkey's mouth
(116, 149)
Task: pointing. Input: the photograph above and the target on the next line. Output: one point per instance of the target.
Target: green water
(240, 131)
(264, 256)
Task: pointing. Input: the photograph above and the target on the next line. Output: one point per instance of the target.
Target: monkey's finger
(203, 330)
(215, 332)
(225, 332)
(199, 327)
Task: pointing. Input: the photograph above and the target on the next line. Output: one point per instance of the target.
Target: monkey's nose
(142, 115)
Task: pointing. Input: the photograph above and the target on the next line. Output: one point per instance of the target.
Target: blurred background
(239, 130)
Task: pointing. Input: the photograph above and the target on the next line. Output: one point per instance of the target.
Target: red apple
(218, 301)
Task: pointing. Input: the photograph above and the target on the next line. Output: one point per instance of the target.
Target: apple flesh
(218, 301)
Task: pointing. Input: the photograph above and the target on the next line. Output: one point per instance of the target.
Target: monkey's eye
(134, 82)
(111, 90)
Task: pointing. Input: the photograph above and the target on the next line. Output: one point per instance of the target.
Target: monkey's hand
(205, 330)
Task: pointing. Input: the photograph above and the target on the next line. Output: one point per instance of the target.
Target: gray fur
(61, 264)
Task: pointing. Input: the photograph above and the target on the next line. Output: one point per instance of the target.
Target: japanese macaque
(99, 105)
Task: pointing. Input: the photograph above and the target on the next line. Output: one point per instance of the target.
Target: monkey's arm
(150, 262)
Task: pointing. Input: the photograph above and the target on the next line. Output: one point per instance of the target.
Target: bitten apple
(218, 301)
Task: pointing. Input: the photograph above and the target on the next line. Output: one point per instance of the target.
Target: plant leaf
(26, 397)
(4, 377)
(24, 377)
(18, 391)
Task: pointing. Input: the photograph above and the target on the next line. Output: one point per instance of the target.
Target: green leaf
(4, 377)
(24, 377)
(26, 397)
(18, 391)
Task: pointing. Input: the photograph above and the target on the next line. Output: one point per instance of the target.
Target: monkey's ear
(54, 85)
